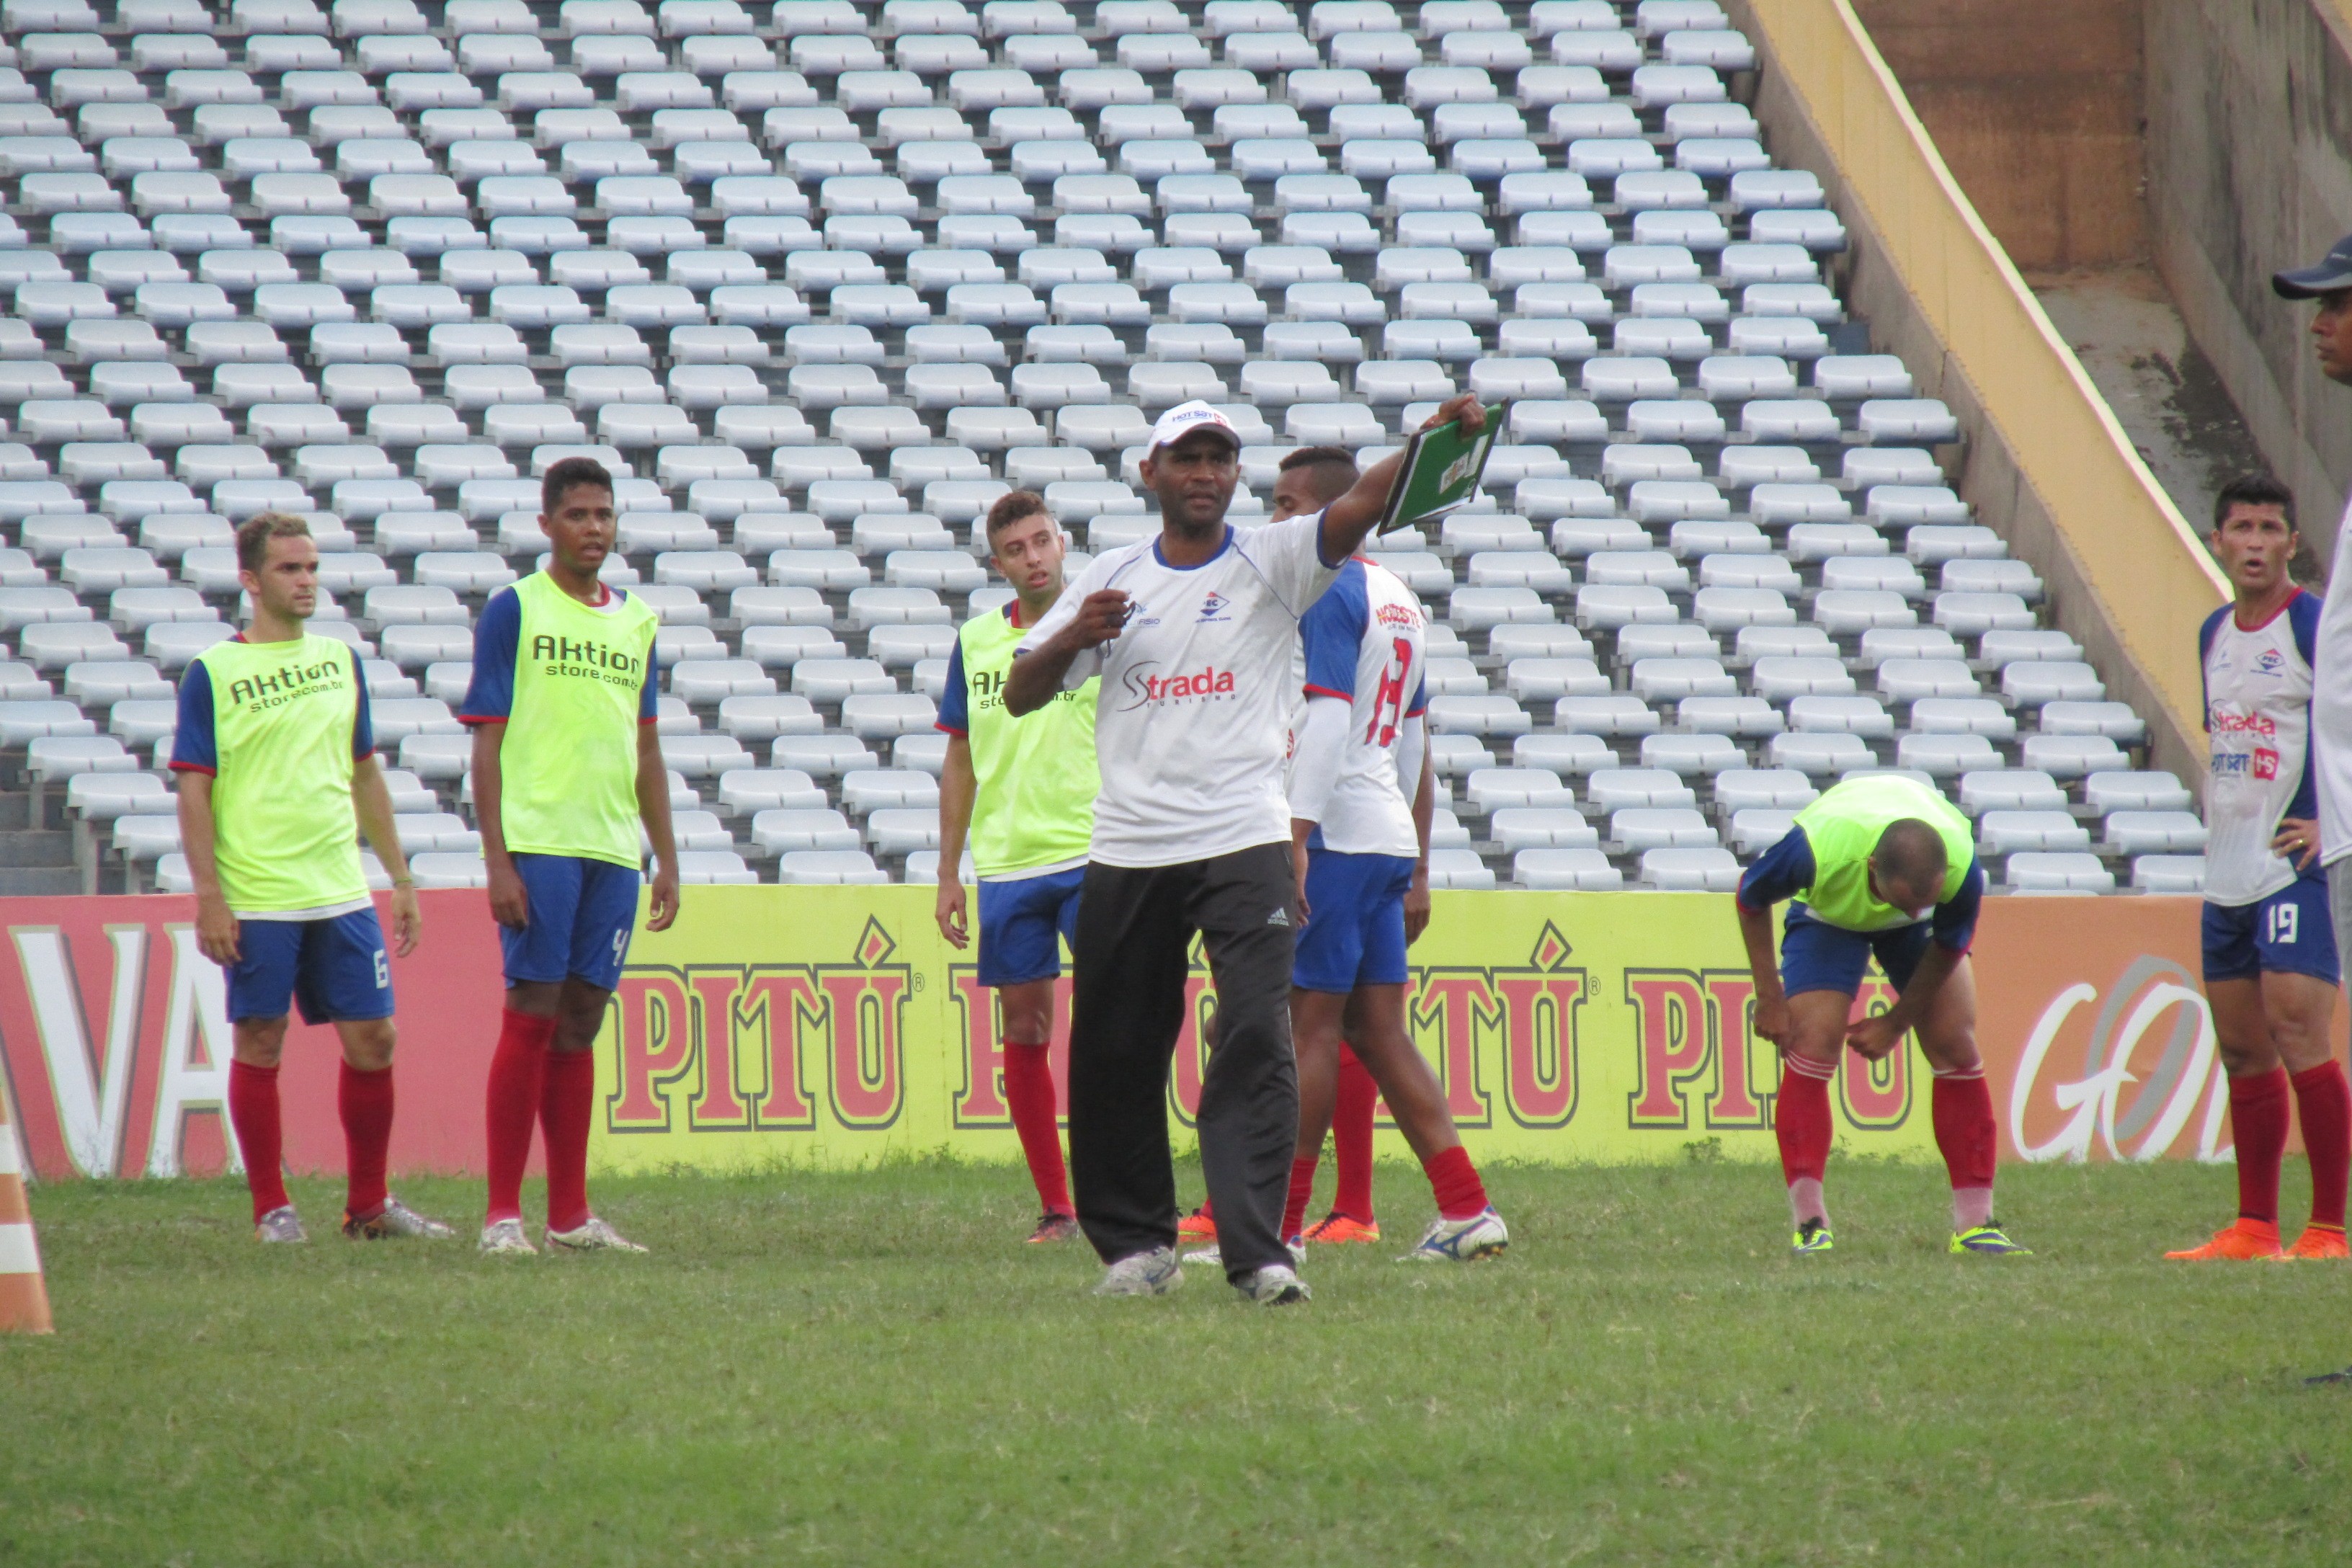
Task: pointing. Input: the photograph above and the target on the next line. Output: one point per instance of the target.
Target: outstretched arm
(1348, 519)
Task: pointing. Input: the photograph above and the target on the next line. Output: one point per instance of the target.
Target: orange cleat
(1197, 1225)
(2239, 1241)
(1335, 1227)
(2317, 1241)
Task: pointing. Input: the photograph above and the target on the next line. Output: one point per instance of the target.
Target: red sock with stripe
(2323, 1099)
(1801, 1120)
(567, 1099)
(1453, 1182)
(363, 1101)
(1302, 1188)
(2258, 1123)
(1961, 1107)
(260, 1138)
(1029, 1095)
(518, 1070)
(1351, 1131)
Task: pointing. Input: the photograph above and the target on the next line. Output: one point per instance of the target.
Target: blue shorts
(2290, 932)
(582, 912)
(1818, 956)
(1355, 922)
(1022, 924)
(336, 970)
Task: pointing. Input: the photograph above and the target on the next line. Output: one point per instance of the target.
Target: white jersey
(1363, 646)
(2258, 707)
(2331, 704)
(1192, 723)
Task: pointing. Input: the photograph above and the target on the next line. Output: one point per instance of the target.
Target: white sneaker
(504, 1239)
(1153, 1273)
(1295, 1247)
(1483, 1235)
(281, 1225)
(592, 1235)
(1204, 1255)
(1275, 1285)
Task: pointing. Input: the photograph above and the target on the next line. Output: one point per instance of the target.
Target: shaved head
(1911, 857)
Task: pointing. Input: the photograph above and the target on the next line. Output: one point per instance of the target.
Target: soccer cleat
(592, 1235)
(1197, 1225)
(1483, 1235)
(395, 1219)
(1987, 1240)
(2328, 1379)
(1335, 1227)
(1153, 1273)
(1275, 1285)
(504, 1239)
(2318, 1242)
(1055, 1228)
(1813, 1235)
(280, 1223)
(2239, 1241)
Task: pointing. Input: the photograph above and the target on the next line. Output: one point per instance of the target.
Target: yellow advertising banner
(831, 1027)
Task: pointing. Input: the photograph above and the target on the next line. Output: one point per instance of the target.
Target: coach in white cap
(2330, 283)
(1191, 633)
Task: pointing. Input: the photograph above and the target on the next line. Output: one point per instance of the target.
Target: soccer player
(2271, 967)
(566, 765)
(1361, 794)
(1881, 866)
(276, 754)
(1192, 635)
(1310, 479)
(1023, 791)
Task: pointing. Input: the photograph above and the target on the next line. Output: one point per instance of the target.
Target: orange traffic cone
(23, 1299)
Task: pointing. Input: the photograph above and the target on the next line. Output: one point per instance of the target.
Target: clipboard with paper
(1442, 469)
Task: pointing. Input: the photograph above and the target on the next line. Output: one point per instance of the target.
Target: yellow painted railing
(2141, 559)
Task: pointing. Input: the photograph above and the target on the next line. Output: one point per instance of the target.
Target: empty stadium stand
(823, 279)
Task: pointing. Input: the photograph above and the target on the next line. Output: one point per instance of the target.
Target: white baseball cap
(1186, 417)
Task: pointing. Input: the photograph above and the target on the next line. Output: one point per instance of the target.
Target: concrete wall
(2250, 169)
(2036, 107)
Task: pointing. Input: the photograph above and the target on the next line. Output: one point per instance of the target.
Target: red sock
(1351, 1129)
(2323, 1099)
(365, 1101)
(517, 1070)
(253, 1113)
(1029, 1091)
(1801, 1118)
(1966, 1133)
(566, 1101)
(2258, 1123)
(1453, 1182)
(1302, 1188)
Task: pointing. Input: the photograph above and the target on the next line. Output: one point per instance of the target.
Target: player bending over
(566, 765)
(1878, 866)
(1362, 854)
(1311, 479)
(1191, 633)
(2269, 950)
(1024, 792)
(276, 754)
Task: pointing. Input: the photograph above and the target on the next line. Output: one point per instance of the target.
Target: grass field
(871, 1369)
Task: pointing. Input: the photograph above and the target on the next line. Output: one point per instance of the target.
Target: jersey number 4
(1388, 708)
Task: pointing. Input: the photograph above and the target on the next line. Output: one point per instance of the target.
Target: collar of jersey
(1223, 545)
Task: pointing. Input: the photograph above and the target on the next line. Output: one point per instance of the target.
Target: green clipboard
(1442, 469)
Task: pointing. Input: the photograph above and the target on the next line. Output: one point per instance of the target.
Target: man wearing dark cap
(1191, 632)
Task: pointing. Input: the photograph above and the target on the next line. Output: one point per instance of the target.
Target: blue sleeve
(489, 695)
(1333, 630)
(2303, 615)
(363, 719)
(2205, 636)
(1785, 870)
(955, 706)
(194, 746)
(1954, 923)
(649, 697)
(1420, 703)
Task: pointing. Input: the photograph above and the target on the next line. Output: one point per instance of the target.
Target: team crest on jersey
(2270, 661)
(1212, 608)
